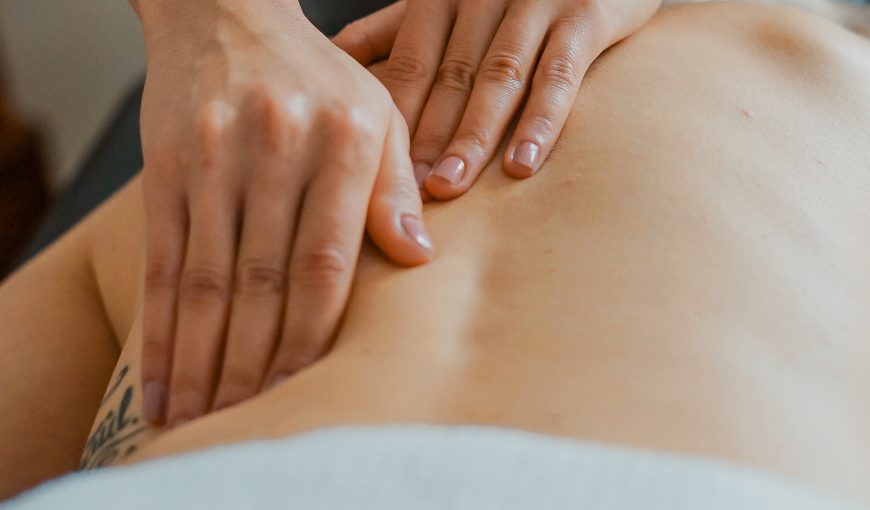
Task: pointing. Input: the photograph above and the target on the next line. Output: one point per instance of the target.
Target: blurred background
(65, 65)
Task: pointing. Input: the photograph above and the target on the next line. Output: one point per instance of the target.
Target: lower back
(687, 272)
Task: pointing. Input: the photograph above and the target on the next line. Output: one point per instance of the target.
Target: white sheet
(424, 467)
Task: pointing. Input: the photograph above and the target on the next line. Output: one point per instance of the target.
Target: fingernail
(450, 169)
(153, 401)
(278, 379)
(421, 171)
(415, 230)
(526, 154)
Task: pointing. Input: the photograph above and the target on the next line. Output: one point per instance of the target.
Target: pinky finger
(554, 89)
(166, 228)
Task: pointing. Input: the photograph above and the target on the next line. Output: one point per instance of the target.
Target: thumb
(395, 217)
(371, 38)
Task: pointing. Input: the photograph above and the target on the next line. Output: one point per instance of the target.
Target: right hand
(266, 148)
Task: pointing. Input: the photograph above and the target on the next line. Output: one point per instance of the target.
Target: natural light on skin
(666, 275)
(686, 272)
(265, 242)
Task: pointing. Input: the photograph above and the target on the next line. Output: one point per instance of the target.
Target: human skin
(460, 70)
(688, 273)
(268, 152)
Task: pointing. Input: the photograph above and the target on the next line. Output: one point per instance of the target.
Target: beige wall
(68, 63)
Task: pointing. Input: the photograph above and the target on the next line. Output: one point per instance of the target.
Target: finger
(166, 230)
(325, 252)
(203, 301)
(501, 83)
(371, 38)
(395, 217)
(476, 24)
(415, 57)
(261, 277)
(554, 88)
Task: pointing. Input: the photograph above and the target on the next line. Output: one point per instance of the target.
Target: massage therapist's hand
(459, 71)
(265, 148)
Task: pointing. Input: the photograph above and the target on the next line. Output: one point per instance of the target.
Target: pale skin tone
(702, 290)
(269, 152)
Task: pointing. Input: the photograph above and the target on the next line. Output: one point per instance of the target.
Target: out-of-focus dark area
(28, 222)
(23, 190)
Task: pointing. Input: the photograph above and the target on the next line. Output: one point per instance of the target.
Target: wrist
(174, 20)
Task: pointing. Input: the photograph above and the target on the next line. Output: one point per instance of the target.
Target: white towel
(426, 467)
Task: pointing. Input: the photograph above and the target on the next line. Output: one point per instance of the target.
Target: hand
(459, 71)
(265, 147)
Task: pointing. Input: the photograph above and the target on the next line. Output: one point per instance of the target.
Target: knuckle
(561, 72)
(542, 124)
(277, 120)
(211, 121)
(504, 66)
(323, 268)
(154, 350)
(203, 284)
(160, 276)
(456, 73)
(210, 124)
(477, 140)
(269, 122)
(336, 120)
(259, 278)
(361, 125)
(405, 69)
(585, 24)
(585, 14)
(403, 187)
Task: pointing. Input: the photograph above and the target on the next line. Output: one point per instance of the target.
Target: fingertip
(225, 401)
(523, 160)
(179, 421)
(275, 380)
(185, 401)
(441, 189)
(154, 402)
(402, 236)
(414, 230)
(226, 397)
(448, 178)
(177, 417)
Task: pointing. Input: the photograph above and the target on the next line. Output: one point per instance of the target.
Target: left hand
(459, 71)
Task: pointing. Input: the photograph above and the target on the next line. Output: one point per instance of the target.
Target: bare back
(689, 272)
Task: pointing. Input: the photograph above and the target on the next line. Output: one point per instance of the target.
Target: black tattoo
(114, 434)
